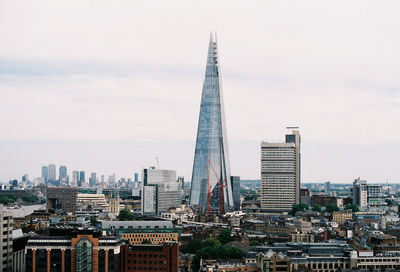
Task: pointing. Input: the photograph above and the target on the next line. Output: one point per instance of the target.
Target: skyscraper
(45, 172)
(280, 174)
(81, 179)
(211, 186)
(62, 173)
(52, 172)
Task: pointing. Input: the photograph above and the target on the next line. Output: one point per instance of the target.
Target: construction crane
(158, 163)
(220, 182)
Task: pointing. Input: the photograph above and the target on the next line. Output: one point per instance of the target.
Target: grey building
(160, 191)
(62, 173)
(6, 248)
(280, 174)
(52, 172)
(92, 179)
(81, 179)
(45, 172)
(235, 181)
(360, 193)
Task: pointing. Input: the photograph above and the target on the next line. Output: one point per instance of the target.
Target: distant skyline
(108, 87)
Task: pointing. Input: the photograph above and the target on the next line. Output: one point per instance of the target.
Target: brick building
(149, 257)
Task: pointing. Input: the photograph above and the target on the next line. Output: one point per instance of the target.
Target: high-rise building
(211, 187)
(236, 192)
(136, 177)
(52, 172)
(161, 191)
(62, 173)
(360, 193)
(45, 172)
(6, 249)
(92, 179)
(81, 179)
(280, 174)
(75, 178)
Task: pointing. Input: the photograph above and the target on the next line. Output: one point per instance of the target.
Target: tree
(225, 236)
(330, 208)
(352, 207)
(30, 198)
(298, 207)
(255, 243)
(317, 208)
(193, 246)
(125, 215)
(389, 202)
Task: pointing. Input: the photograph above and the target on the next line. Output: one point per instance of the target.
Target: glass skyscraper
(211, 187)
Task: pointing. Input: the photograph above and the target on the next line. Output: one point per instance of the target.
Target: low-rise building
(341, 217)
(138, 232)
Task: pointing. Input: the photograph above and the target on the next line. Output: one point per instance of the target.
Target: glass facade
(211, 186)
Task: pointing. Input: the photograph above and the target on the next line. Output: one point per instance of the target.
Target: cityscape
(215, 217)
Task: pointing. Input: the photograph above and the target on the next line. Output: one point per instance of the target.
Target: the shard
(211, 178)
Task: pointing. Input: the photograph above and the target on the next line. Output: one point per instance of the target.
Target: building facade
(360, 193)
(6, 248)
(161, 191)
(63, 198)
(138, 232)
(76, 251)
(163, 257)
(211, 187)
(52, 172)
(280, 174)
(62, 173)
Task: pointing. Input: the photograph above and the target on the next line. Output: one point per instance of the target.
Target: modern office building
(63, 198)
(92, 179)
(280, 174)
(360, 193)
(160, 191)
(145, 257)
(81, 179)
(45, 172)
(52, 172)
(73, 250)
(211, 187)
(6, 248)
(235, 183)
(62, 173)
(138, 232)
(75, 178)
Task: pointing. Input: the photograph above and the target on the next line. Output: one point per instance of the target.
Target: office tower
(81, 179)
(92, 179)
(136, 177)
(75, 178)
(360, 193)
(79, 250)
(25, 178)
(160, 191)
(375, 194)
(211, 186)
(45, 172)
(235, 183)
(280, 174)
(61, 198)
(327, 187)
(52, 172)
(62, 173)
(6, 249)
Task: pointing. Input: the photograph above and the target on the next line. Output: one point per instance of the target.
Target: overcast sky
(106, 86)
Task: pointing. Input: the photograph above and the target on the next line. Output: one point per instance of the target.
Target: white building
(280, 174)
(160, 191)
(6, 248)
